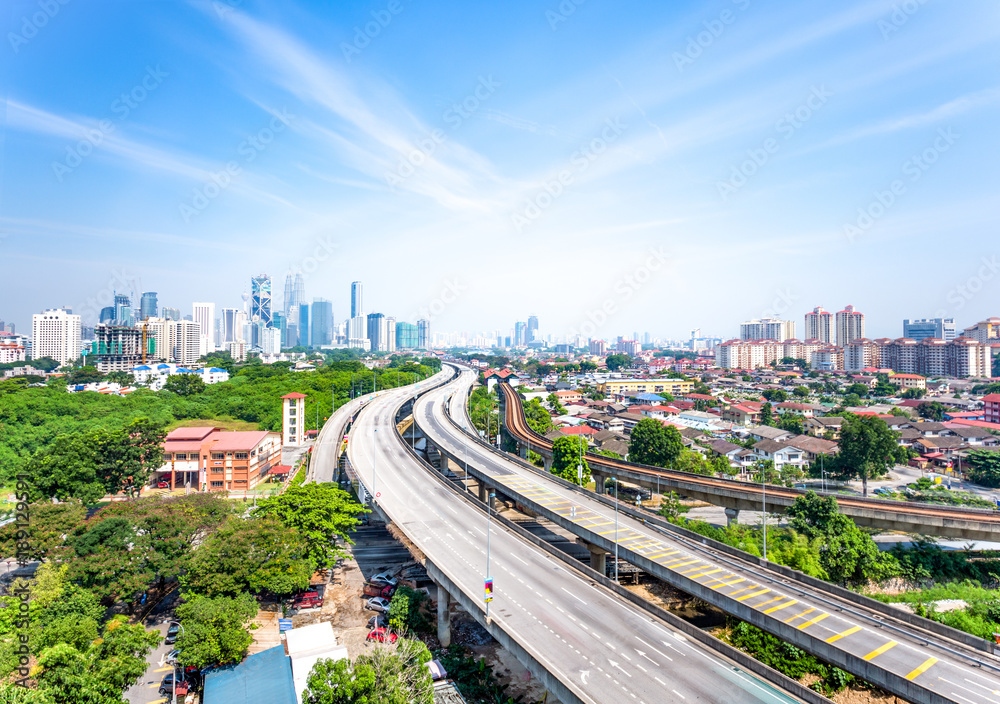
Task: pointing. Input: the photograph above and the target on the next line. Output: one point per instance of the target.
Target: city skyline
(764, 148)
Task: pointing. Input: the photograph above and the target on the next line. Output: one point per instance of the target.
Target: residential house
(813, 447)
(766, 432)
(741, 414)
(781, 453)
(818, 427)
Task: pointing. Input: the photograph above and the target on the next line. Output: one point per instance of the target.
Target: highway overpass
(585, 643)
(908, 517)
(917, 659)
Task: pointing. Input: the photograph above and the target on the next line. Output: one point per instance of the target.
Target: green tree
(766, 414)
(66, 470)
(321, 513)
(222, 360)
(123, 378)
(984, 467)
(654, 444)
(801, 391)
(84, 375)
(616, 362)
(537, 417)
(256, 555)
(588, 366)
(811, 514)
(932, 410)
(568, 452)
(125, 458)
(185, 384)
(385, 675)
(860, 390)
(110, 561)
(554, 404)
(914, 393)
(46, 364)
(215, 629)
(46, 531)
(868, 448)
(775, 395)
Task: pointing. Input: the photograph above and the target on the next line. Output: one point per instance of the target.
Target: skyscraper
(230, 331)
(170, 313)
(148, 305)
(286, 302)
(819, 325)
(406, 336)
(423, 334)
(942, 328)
(357, 305)
(520, 334)
(322, 322)
(850, 326)
(767, 329)
(56, 334)
(303, 326)
(260, 308)
(107, 314)
(377, 332)
(204, 315)
(124, 314)
(532, 327)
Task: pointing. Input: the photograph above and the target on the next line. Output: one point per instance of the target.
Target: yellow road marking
(682, 564)
(813, 622)
(769, 601)
(663, 554)
(721, 580)
(750, 596)
(779, 607)
(717, 569)
(878, 651)
(849, 631)
(740, 591)
(922, 669)
(164, 669)
(804, 613)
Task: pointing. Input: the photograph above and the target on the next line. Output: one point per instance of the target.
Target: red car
(381, 635)
(162, 485)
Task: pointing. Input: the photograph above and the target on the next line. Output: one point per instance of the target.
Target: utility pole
(615, 480)
(489, 527)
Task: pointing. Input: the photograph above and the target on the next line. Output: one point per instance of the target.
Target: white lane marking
(574, 595)
(614, 664)
(643, 655)
(677, 693)
(662, 655)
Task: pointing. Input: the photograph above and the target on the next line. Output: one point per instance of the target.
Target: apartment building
(56, 334)
(767, 329)
(10, 353)
(819, 325)
(908, 381)
(626, 387)
(986, 331)
(850, 326)
(991, 410)
(211, 459)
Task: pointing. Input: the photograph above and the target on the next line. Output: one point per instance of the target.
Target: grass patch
(229, 424)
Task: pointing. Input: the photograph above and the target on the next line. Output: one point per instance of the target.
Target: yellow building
(908, 381)
(625, 387)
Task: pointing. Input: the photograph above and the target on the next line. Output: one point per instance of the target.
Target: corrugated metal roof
(263, 678)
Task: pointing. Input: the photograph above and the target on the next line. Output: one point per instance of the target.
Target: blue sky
(609, 167)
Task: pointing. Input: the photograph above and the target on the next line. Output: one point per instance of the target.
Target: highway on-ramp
(603, 649)
(928, 666)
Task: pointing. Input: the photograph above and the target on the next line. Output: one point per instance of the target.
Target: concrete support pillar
(598, 557)
(483, 492)
(443, 616)
(522, 450)
(599, 480)
(547, 462)
(732, 516)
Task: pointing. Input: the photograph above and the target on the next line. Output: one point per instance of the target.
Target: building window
(216, 470)
(291, 412)
(241, 481)
(182, 456)
(242, 455)
(218, 456)
(216, 485)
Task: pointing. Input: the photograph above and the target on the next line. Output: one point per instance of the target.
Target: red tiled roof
(294, 395)
(190, 433)
(578, 430)
(231, 441)
(991, 398)
(977, 423)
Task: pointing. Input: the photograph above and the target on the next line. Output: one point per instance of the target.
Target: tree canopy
(388, 674)
(214, 630)
(655, 444)
(868, 448)
(569, 451)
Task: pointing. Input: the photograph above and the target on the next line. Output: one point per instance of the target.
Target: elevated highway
(908, 517)
(917, 659)
(586, 644)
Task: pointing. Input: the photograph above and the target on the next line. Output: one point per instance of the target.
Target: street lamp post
(174, 688)
(374, 430)
(763, 504)
(489, 527)
(615, 480)
(465, 446)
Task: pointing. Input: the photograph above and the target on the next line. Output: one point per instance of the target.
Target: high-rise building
(532, 327)
(423, 334)
(176, 341)
(119, 348)
(107, 314)
(56, 334)
(148, 305)
(850, 326)
(124, 313)
(357, 304)
(377, 332)
(767, 329)
(520, 334)
(407, 337)
(390, 334)
(303, 325)
(286, 301)
(943, 328)
(230, 330)
(170, 313)
(260, 308)
(322, 322)
(204, 315)
(986, 331)
(357, 333)
(819, 325)
(598, 347)
(280, 323)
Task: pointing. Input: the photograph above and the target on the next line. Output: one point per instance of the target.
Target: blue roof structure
(263, 678)
(141, 368)
(648, 397)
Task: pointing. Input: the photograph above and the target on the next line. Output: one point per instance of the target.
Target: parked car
(381, 635)
(167, 686)
(171, 658)
(307, 600)
(385, 577)
(162, 485)
(172, 634)
(379, 603)
(378, 621)
(379, 589)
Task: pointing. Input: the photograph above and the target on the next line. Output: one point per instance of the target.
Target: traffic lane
(620, 669)
(910, 661)
(146, 691)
